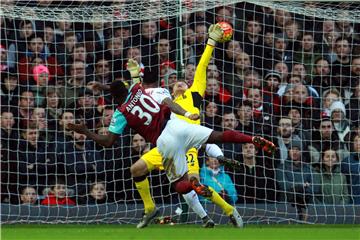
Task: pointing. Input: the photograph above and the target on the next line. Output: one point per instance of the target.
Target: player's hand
(266, 145)
(79, 128)
(215, 33)
(194, 116)
(133, 67)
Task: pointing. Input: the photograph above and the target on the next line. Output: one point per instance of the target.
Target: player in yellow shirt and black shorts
(190, 99)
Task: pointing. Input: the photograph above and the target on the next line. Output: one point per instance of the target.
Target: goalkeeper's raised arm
(199, 84)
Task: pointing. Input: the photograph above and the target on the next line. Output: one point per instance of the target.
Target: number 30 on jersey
(144, 112)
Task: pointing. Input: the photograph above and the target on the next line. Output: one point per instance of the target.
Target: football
(228, 31)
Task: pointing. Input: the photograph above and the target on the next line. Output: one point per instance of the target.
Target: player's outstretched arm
(134, 68)
(177, 109)
(199, 84)
(104, 140)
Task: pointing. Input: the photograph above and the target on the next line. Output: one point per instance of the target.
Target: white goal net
(291, 73)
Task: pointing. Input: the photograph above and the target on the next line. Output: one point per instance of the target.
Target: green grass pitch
(183, 232)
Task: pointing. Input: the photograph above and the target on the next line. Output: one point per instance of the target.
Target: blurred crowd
(291, 78)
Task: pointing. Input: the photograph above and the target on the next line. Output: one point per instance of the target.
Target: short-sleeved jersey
(158, 94)
(141, 113)
(191, 100)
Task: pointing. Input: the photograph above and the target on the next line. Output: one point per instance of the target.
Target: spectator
(106, 117)
(86, 108)
(229, 122)
(296, 181)
(97, 194)
(138, 147)
(53, 105)
(322, 79)
(189, 74)
(21, 39)
(201, 36)
(147, 40)
(103, 71)
(283, 70)
(284, 138)
(341, 68)
(338, 118)
(279, 52)
(81, 54)
(49, 38)
(189, 54)
(62, 27)
(329, 35)
(75, 83)
(333, 186)
(83, 163)
(255, 97)
(245, 115)
(4, 64)
(326, 138)
(66, 48)
(232, 51)
(26, 107)
(282, 18)
(58, 194)
(212, 115)
(350, 166)
(9, 89)
(122, 30)
(41, 77)
(298, 69)
(9, 134)
(65, 118)
(116, 170)
(329, 97)
(292, 30)
(272, 83)
(253, 43)
(114, 53)
(307, 53)
(164, 51)
(214, 92)
(255, 178)
(234, 81)
(35, 159)
(29, 196)
(38, 119)
(213, 175)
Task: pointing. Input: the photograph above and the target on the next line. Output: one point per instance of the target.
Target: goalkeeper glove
(229, 163)
(215, 34)
(134, 68)
(266, 145)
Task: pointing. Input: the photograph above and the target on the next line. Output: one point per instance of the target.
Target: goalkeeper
(190, 99)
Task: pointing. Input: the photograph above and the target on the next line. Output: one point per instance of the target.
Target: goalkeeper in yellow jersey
(190, 99)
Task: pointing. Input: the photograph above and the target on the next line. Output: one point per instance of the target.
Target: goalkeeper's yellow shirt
(191, 100)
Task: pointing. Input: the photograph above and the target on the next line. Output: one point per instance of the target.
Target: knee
(138, 169)
(182, 186)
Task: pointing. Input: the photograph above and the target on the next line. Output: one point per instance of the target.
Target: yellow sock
(215, 198)
(143, 188)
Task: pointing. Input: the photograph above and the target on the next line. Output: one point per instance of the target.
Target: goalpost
(292, 68)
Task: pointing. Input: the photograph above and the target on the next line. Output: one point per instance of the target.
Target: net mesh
(291, 74)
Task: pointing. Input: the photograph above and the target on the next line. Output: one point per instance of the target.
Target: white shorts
(175, 140)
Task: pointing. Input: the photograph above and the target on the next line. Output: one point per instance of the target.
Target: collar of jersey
(129, 93)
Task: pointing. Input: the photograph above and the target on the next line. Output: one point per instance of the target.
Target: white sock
(192, 200)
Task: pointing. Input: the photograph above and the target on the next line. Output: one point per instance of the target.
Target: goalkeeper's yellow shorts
(153, 160)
